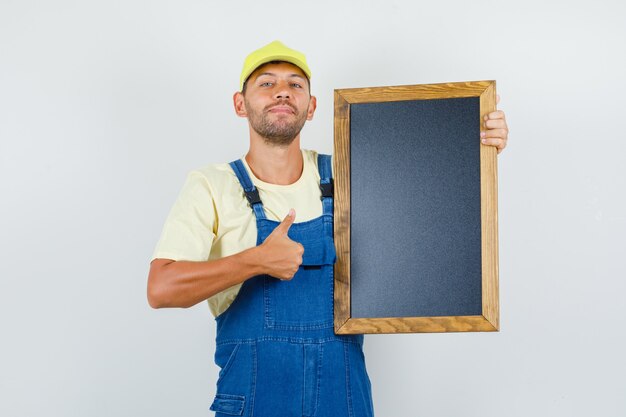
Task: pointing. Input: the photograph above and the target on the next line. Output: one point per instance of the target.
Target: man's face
(277, 102)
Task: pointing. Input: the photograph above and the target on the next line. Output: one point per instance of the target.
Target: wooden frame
(489, 320)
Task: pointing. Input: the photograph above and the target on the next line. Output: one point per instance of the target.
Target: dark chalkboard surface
(408, 195)
(419, 201)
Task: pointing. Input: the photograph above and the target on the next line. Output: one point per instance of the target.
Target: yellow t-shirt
(211, 218)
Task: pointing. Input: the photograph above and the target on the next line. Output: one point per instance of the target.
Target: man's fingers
(495, 124)
(495, 133)
(498, 143)
(284, 226)
(499, 114)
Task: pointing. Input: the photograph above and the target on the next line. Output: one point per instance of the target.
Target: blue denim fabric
(275, 344)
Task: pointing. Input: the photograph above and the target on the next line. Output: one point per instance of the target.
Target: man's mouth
(282, 108)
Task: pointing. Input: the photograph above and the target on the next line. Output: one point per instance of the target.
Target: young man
(269, 282)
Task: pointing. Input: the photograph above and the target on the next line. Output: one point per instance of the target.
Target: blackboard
(415, 210)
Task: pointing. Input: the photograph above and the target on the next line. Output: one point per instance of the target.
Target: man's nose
(282, 91)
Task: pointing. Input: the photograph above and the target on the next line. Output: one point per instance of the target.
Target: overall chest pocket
(306, 301)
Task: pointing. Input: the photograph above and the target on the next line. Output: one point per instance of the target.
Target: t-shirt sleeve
(190, 227)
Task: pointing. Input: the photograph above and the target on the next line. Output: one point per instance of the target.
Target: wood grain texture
(341, 172)
(417, 325)
(489, 215)
(414, 92)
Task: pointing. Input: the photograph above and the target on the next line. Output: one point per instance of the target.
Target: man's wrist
(252, 261)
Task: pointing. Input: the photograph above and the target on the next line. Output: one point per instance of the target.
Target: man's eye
(296, 85)
(266, 84)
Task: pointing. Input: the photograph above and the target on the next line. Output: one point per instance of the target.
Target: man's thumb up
(284, 226)
(282, 256)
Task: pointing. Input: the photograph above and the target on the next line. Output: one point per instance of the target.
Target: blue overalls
(275, 344)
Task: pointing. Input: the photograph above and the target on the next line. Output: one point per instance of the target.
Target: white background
(106, 105)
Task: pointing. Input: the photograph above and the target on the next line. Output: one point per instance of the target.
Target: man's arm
(185, 283)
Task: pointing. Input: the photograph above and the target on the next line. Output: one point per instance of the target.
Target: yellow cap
(275, 51)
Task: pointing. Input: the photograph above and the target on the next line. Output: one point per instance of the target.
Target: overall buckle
(253, 196)
(327, 189)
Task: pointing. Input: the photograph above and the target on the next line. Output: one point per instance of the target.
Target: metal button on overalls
(275, 344)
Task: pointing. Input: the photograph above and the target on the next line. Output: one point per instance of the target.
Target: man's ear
(240, 105)
(312, 106)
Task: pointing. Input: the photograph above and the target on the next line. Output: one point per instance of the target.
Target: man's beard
(281, 132)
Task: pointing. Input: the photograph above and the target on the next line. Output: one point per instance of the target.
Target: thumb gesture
(284, 226)
(282, 256)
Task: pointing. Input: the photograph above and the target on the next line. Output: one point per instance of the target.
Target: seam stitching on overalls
(348, 385)
(295, 340)
(319, 378)
(253, 383)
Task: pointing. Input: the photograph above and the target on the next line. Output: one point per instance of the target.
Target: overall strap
(252, 194)
(326, 182)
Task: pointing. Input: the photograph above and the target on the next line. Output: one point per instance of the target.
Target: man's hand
(282, 256)
(497, 132)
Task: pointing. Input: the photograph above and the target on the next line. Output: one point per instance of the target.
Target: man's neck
(276, 165)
